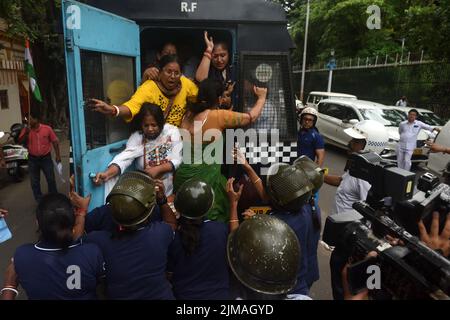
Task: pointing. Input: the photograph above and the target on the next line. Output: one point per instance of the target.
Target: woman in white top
(155, 147)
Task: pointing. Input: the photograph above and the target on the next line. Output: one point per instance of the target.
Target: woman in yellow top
(205, 119)
(170, 92)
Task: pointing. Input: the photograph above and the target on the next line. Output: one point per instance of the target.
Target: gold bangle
(257, 180)
(234, 220)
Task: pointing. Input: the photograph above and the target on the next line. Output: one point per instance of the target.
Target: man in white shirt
(402, 102)
(367, 135)
(409, 130)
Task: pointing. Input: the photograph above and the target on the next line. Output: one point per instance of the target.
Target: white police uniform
(408, 141)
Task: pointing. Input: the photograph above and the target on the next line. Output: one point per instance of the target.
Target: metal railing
(369, 62)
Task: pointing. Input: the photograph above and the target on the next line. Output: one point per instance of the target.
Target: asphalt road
(18, 199)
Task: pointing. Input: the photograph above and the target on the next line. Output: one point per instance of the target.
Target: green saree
(205, 164)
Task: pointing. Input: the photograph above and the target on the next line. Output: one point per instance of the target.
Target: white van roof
(333, 94)
(360, 104)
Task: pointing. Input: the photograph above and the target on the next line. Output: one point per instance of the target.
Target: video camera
(408, 271)
(393, 191)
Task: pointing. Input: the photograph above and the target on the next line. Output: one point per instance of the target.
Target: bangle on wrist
(117, 112)
(10, 288)
(234, 220)
(207, 54)
(257, 180)
(80, 212)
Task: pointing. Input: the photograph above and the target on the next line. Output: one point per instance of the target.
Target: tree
(38, 21)
(341, 25)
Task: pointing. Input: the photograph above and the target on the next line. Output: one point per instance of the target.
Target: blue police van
(109, 43)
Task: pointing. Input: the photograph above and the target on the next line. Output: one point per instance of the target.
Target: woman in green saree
(203, 126)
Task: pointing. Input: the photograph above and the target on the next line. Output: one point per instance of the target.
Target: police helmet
(312, 171)
(264, 254)
(194, 199)
(132, 199)
(288, 186)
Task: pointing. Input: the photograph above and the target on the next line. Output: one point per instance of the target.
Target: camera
(411, 270)
(393, 191)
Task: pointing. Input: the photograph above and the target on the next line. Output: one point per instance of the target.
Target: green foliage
(341, 25)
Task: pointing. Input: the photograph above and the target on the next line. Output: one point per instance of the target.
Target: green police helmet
(288, 187)
(264, 254)
(132, 199)
(312, 171)
(194, 199)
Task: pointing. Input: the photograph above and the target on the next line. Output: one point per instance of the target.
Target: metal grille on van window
(273, 72)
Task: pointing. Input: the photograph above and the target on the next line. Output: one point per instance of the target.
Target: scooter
(16, 158)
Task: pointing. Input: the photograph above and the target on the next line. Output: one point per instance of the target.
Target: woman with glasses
(171, 92)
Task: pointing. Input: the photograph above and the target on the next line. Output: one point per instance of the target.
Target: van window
(349, 114)
(271, 71)
(318, 99)
(332, 110)
(111, 77)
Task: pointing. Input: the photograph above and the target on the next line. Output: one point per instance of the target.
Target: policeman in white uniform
(409, 130)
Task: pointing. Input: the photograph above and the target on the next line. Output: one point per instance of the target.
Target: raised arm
(203, 68)
(81, 205)
(233, 198)
(256, 111)
(256, 180)
(229, 119)
(161, 200)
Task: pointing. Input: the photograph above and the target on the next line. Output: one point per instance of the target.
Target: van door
(102, 61)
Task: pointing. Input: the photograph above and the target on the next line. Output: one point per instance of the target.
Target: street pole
(403, 46)
(302, 87)
(330, 77)
(331, 66)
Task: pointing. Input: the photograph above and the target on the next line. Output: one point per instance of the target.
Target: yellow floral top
(150, 93)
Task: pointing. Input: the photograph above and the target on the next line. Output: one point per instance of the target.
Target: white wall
(11, 115)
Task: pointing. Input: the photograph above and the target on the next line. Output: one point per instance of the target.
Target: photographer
(365, 135)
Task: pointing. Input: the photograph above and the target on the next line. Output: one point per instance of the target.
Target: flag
(29, 69)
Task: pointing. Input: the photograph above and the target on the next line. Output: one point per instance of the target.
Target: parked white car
(426, 116)
(315, 97)
(335, 115)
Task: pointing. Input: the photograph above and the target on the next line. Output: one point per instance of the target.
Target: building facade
(14, 99)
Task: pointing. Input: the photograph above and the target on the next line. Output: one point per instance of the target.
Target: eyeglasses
(175, 74)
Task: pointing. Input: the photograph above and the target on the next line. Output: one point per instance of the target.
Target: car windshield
(431, 118)
(388, 117)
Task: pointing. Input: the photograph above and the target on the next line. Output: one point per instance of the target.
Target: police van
(108, 44)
